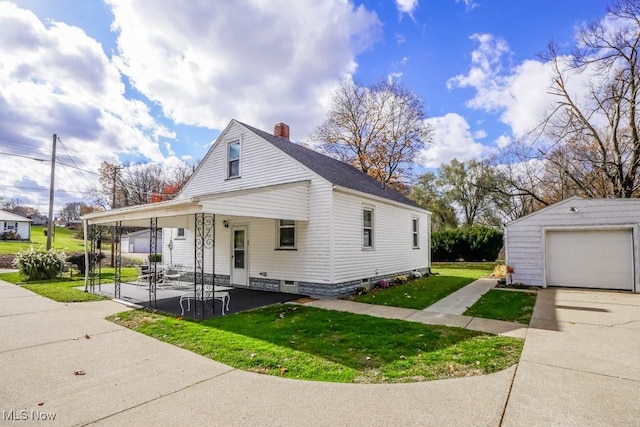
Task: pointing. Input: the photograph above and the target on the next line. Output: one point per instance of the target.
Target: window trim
(279, 228)
(178, 236)
(415, 232)
(239, 159)
(363, 228)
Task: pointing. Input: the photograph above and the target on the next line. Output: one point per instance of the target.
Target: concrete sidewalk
(134, 380)
(459, 301)
(497, 327)
(446, 312)
(580, 366)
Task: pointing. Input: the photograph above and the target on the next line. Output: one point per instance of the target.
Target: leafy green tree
(427, 194)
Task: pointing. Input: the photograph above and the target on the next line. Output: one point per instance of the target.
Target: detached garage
(139, 241)
(583, 243)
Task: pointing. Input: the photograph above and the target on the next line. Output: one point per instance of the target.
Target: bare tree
(73, 211)
(378, 129)
(590, 144)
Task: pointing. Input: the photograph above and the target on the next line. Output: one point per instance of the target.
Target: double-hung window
(367, 228)
(414, 233)
(233, 159)
(286, 234)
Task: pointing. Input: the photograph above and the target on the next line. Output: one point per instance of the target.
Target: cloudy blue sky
(137, 80)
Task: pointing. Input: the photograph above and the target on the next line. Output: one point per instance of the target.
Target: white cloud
(503, 140)
(400, 38)
(260, 62)
(56, 79)
(480, 134)
(407, 6)
(519, 93)
(452, 140)
(469, 4)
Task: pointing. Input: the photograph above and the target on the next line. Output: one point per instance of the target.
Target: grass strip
(322, 345)
(512, 306)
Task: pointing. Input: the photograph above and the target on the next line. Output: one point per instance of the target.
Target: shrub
(155, 258)
(39, 264)
(77, 258)
(400, 280)
(476, 243)
(381, 284)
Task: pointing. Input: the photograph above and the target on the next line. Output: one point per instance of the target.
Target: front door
(239, 256)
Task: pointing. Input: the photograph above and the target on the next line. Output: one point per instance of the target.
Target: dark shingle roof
(334, 171)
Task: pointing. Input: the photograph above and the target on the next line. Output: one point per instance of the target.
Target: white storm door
(239, 256)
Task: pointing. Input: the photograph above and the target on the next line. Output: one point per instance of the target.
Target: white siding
(261, 164)
(309, 262)
(525, 237)
(393, 251)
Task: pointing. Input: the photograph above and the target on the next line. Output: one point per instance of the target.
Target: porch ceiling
(281, 201)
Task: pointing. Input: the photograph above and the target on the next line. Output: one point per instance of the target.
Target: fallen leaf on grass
(403, 357)
(283, 370)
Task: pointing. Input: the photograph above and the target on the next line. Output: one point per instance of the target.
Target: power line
(24, 157)
(40, 189)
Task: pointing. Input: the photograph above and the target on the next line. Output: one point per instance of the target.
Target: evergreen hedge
(476, 243)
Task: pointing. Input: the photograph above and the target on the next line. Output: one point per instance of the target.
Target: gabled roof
(334, 171)
(8, 216)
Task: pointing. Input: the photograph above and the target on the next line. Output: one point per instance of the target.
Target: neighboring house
(139, 241)
(37, 219)
(287, 218)
(14, 227)
(586, 243)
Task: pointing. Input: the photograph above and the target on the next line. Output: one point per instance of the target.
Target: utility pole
(51, 190)
(113, 206)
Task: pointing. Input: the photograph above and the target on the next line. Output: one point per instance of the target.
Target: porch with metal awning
(279, 201)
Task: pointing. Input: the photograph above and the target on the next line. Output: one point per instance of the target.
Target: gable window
(181, 234)
(414, 232)
(286, 234)
(367, 228)
(233, 159)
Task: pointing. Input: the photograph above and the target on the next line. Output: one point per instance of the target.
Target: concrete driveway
(581, 361)
(574, 371)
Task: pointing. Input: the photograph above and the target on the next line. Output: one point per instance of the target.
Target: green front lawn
(63, 240)
(423, 292)
(322, 345)
(512, 306)
(63, 289)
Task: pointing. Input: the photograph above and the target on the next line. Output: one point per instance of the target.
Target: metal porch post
(153, 265)
(118, 258)
(204, 240)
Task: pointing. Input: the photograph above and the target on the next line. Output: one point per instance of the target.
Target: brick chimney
(281, 130)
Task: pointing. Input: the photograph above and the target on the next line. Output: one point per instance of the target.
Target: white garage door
(590, 259)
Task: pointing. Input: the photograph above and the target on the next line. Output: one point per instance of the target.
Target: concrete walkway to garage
(446, 312)
(580, 366)
(459, 301)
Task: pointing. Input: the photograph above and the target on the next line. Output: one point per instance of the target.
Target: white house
(14, 227)
(285, 218)
(586, 243)
(139, 241)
